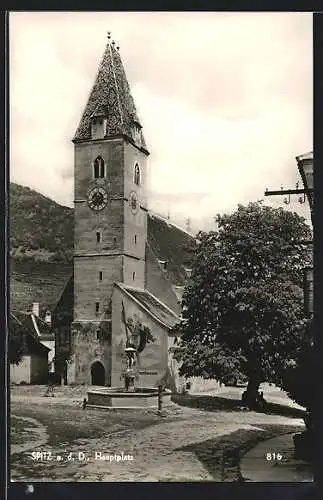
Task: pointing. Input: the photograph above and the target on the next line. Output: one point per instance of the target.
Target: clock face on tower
(98, 198)
(133, 202)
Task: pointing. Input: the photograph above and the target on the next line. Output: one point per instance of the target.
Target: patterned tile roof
(35, 325)
(152, 305)
(110, 98)
(32, 341)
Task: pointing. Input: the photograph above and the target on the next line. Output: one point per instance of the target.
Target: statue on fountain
(130, 372)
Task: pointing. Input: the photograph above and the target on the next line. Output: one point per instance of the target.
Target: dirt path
(38, 436)
(156, 453)
(156, 450)
(287, 469)
(41, 400)
(272, 394)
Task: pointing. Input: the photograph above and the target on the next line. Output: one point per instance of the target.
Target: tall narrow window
(133, 276)
(98, 237)
(100, 276)
(137, 174)
(135, 239)
(99, 168)
(97, 307)
(102, 173)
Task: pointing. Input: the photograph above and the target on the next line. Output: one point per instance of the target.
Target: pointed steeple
(110, 100)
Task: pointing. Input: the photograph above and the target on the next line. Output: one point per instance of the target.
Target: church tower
(110, 227)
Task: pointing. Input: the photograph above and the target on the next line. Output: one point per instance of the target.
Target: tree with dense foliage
(16, 340)
(301, 382)
(299, 379)
(243, 309)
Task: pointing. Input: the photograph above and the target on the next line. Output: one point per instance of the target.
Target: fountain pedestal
(129, 396)
(114, 397)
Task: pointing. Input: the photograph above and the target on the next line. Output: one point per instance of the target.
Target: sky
(225, 100)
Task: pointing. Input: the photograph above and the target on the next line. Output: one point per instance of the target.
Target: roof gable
(25, 326)
(35, 325)
(151, 305)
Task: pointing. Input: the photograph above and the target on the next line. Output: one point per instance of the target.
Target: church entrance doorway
(98, 373)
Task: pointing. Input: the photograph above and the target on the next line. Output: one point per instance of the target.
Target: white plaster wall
(51, 345)
(20, 373)
(199, 384)
(152, 362)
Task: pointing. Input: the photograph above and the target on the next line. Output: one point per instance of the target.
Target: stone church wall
(135, 232)
(112, 152)
(87, 287)
(108, 222)
(91, 342)
(131, 156)
(133, 272)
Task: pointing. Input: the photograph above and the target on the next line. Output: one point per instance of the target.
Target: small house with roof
(33, 367)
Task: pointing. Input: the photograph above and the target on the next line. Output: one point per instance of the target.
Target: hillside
(41, 238)
(41, 282)
(41, 230)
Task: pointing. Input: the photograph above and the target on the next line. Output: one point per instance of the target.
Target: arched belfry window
(137, 174)
(98, 168)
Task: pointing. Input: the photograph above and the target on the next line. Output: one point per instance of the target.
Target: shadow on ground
(217, 403)
(221, 456)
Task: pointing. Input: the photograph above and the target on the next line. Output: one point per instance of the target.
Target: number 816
(273, 456)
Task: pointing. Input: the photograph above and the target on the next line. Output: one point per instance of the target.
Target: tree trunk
(251, 395)
(65, 374)
(305, 442)
(308, 421)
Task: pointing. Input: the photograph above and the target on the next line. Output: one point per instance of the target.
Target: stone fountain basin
(117, 397)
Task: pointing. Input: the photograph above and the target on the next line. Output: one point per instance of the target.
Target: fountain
(128, 397)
